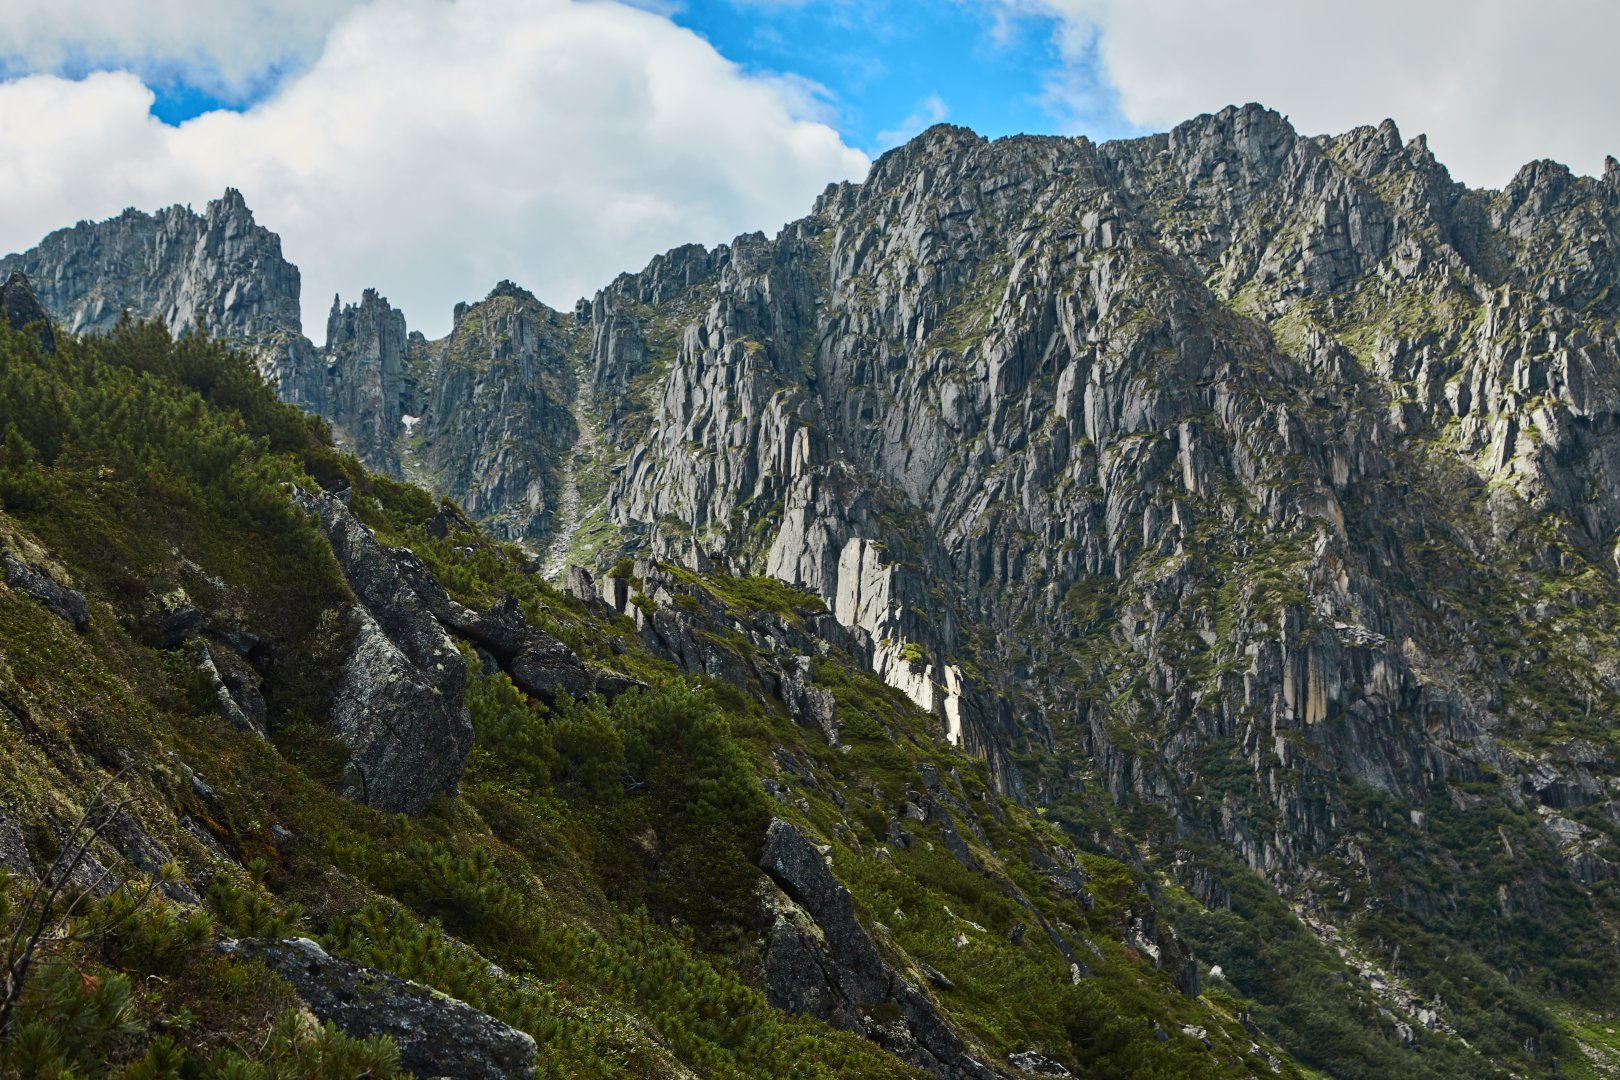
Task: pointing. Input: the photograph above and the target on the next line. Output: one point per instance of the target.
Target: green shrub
(67, 1021)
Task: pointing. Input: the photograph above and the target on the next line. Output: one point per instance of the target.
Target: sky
(429, 148)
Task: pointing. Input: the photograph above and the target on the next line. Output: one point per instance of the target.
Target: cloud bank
(228, 47)
(1494, 83)
(433, 147)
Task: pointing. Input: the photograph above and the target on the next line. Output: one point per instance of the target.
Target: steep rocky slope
(1245, 500)
(307, 777)
(1267, 480)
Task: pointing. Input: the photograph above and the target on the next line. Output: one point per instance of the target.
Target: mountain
(1245, 501)
(308, 777)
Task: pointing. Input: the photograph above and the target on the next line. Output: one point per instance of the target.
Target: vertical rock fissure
(568, 516)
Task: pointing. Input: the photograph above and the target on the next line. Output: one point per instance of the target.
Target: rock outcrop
(401, 705)
(236, 689)
(34, 582)
(496, 429)
(436, 1035)
(537, 663)
(219, 267)
(483, 416)
(14, 858)
(684, 624)
(23, 310)
(364, 393)
(835, 973)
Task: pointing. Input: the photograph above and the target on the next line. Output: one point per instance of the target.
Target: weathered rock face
(482, 416)
(22, 309)
(1265, 478)
(176, 266)
(14, 858)
(401, 704)
(537, 663)
(236, 689)
(1000, 366)
(365, 390)
(496, 430)
(686, 626)
(436, 1035)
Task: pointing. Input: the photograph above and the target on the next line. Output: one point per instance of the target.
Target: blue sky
(182, 88)
(885, 63)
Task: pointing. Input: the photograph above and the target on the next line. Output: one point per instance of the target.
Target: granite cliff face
(1269, 481)
(1069, 394)
(496, 428)
(1249, 501)
(364, 389)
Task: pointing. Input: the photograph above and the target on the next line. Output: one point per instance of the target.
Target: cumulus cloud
(436, 146)
(228, 46)
(1494, 83)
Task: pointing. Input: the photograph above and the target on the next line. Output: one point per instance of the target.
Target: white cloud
(1494, 83)
(436, 147)
(227, 46)
(927, 112)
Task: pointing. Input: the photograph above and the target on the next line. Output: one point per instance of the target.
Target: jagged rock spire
(23, 309)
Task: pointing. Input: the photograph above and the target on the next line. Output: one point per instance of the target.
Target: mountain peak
(508, 288)
(232, 200)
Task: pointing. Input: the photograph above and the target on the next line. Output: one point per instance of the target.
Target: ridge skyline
(562, 304)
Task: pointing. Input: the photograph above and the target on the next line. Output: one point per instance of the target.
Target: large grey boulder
(547, 669)
(34, 582)
(408, 737)
(437, 1035)
(798, 867)
(538, 664)
(832, 971)
(400, 706)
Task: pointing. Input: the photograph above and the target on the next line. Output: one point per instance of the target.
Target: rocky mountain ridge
(1247, 500)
